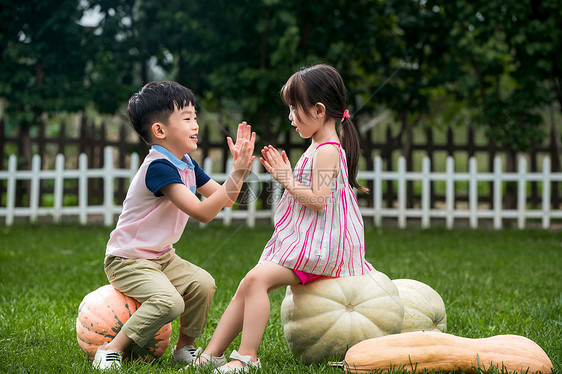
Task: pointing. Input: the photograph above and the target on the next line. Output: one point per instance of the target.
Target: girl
(318, 226)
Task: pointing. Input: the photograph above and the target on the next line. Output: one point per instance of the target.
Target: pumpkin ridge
(325, 333)
(334, 302)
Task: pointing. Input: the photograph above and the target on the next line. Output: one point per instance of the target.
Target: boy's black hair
(154, 103)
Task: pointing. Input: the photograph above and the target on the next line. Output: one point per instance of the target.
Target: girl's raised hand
(278, 165)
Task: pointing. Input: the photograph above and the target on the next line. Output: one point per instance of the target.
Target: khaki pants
(167, 287)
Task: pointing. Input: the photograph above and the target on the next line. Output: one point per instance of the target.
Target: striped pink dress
(329, 242)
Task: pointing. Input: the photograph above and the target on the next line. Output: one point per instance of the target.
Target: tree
(535, 36)
(238, 54)
(42, 61)
(497, 58)
(118, 66)
(509, 55)
(402, 66)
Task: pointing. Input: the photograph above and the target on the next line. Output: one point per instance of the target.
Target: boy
(140, 259)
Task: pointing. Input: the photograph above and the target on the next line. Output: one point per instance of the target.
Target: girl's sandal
(209, 360)
(245, 360)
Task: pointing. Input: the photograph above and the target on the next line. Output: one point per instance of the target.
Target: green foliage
(492, 63)
(507, 54)
(492, 282)
(42, 58)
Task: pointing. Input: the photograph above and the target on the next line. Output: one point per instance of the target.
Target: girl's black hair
(154, 103)
(323, 84)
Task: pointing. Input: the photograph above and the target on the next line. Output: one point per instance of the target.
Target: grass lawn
(492, 282)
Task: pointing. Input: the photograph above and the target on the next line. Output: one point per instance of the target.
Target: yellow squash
(421, 350)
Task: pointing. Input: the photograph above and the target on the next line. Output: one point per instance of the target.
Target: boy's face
(181, 131)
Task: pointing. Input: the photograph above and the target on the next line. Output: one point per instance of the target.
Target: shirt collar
(185, 162)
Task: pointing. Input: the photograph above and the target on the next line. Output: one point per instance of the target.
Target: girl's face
(306, 125)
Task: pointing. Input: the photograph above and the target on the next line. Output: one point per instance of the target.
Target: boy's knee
(206, 285)
(173, 305)
(202, 287)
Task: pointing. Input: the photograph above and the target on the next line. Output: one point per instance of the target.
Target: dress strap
(334, 143)
(343, 163)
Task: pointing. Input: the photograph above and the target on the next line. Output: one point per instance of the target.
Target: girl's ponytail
(350, 143)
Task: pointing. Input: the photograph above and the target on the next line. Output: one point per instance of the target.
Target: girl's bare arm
(325, 169)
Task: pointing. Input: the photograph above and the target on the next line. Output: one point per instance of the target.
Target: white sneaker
(106, 359)
(187, 353)
(245, 360)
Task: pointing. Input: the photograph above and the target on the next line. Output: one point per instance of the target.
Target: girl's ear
(157, 130)
(319, 110)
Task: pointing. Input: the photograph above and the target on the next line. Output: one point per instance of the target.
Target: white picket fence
(472, 212)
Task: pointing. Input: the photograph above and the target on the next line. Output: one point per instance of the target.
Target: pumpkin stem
(350, 308)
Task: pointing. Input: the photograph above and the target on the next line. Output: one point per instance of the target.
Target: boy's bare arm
(204, 211)
(244, 133)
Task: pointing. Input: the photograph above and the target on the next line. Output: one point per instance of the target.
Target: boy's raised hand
(244, 133)
(243, 151)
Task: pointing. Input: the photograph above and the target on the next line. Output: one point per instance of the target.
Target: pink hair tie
(345, 115)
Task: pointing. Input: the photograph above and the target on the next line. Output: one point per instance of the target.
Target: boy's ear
(319, 110)
(157, 130)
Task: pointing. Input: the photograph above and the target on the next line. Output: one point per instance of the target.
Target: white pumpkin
(322, 319)
(424, 309)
